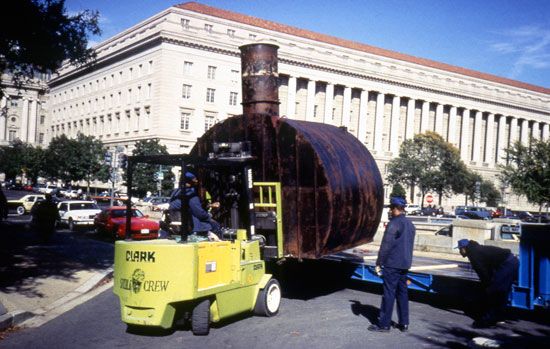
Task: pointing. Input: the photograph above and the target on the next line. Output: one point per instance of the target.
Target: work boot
(402, 328)
(376, 328)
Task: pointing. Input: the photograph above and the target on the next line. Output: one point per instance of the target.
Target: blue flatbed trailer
(442, 276)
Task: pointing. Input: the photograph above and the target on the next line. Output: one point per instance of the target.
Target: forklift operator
(202, 220)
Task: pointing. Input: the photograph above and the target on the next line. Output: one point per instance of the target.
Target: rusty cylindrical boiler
(332, 191)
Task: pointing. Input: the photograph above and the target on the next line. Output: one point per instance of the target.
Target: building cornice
(277, 27)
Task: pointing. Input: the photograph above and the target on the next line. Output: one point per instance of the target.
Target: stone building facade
(177, 73)
(23, 111)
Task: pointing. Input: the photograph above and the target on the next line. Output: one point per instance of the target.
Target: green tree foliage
(528, 171)
(430, 163)
(76, 159)
(21, 158)
(489, 193)
(398, 191)
(36, 36)
(143, 175)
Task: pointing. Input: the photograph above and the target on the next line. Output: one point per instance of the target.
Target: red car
(112, 222)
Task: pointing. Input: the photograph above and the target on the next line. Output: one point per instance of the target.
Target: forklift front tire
(269, 299)
(200, 320)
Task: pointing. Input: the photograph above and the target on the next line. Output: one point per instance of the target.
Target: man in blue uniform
(497, 269)
(394, 261)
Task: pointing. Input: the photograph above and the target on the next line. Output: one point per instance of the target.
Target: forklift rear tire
(200, 320)
(269, 299)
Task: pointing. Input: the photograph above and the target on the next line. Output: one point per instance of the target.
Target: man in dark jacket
(395, 257)
(497, 269)
(202, 220)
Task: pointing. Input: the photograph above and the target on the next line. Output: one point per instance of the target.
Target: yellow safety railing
(268, 196)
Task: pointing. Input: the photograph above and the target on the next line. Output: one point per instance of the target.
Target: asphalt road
(324, 318)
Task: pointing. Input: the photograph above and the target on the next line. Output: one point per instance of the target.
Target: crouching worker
(497, 269)
(203, 224)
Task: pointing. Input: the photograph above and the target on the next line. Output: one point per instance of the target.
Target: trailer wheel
(269, 299)
(200, 319)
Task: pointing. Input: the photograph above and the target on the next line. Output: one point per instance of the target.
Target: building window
(42, 119)
(231, 33)
(187, 68)
(129, 99)
(148, 90)
(233, 98)
(211, 72)
(184, 121)
(130, 73)
(210, 93)
(40, 138)
(315, 111)
(150, 67)
(14, 102)
(234, 76)
(208, 28)
(12, 135)
(209, 121)
(186, 92)
(140, 70)
(185, 24)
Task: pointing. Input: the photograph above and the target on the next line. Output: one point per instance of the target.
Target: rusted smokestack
(260, 77)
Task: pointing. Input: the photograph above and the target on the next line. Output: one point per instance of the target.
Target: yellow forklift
(164, 281)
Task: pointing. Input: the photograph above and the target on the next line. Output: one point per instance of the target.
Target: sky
(505, 38)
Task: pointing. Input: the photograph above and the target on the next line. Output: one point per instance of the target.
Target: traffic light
(108, 158)
(122, 160)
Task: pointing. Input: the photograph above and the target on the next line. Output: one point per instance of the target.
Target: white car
(71, 194)
(412, 208)
(77, 213)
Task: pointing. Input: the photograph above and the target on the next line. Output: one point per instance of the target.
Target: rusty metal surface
(332, 189)
(260, 78)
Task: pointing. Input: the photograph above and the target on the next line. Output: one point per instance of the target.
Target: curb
(42, 315)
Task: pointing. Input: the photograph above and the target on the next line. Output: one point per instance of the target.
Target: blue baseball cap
(462, 243)
(398, 201)
(190, 176)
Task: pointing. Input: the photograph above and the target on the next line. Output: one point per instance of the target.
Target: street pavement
(38, 276)
(325, 318)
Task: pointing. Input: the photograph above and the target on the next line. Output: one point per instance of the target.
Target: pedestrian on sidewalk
(497, 269)
(394, 261)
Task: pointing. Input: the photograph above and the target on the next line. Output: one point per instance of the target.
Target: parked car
(25, 204)
(112, 222)
(412, 209)
(473, 212)
(72, 194)
(525, 216)
(77, 213)
(160, 204)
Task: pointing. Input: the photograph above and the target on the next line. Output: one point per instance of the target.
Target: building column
(310, 101)
(346, 107)
(439, 120)
(535, 131)
(464, 133)
(513, 130)
(425, 116)
(501, 146)
(489, 139)
(3, 118)
(545, 132)
(379, 122)
(32, 121)
(409, 126)
(291, 101)
(24, 120)
(329, 97)
(525, 132)
(476, 146)
(452, 126)
(363, 109)
(394, 126)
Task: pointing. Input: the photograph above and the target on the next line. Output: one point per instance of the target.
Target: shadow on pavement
(24, 259)
(368, 311)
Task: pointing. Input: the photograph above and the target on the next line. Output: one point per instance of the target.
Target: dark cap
(462, 243)
(398, 201)
(189, 175)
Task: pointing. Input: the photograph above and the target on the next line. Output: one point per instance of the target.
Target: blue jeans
(395, 289)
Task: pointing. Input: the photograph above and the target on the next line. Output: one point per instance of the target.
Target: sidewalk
(38, 277)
